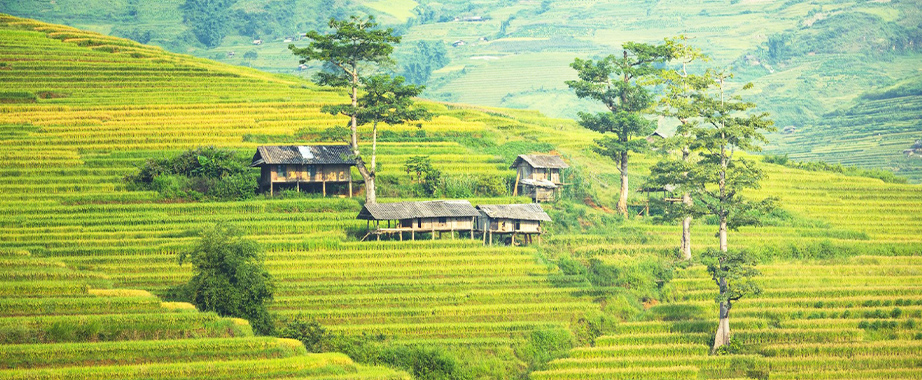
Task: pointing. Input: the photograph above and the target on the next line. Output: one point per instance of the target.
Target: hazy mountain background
(842, 79)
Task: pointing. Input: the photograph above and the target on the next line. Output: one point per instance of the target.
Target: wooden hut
(419, 217)
(511, 219)
(668, 192)
(538, 176)
(304, 167)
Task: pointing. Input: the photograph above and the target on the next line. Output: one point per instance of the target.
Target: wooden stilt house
(514, 219)
(419, 217)
(539, 176)
(312, 168)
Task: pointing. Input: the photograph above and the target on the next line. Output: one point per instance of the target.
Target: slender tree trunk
(686, 236)
(622, 201)
(723, 327)
(367, 174)
(374, 146)
(686, 222)
(722, 233)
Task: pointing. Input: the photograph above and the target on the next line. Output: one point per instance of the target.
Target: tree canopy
(229, 278)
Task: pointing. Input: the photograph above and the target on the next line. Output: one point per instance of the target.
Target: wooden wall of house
(307, 173)
(429, 224)
(544, 194)
(529, 226)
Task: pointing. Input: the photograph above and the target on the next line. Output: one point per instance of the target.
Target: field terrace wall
(538, 176)
(307, 165)
(420, 217)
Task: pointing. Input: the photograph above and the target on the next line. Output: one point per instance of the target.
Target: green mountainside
(807, 58)
(83, 258)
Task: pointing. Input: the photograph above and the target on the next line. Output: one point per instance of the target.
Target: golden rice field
(83, 257)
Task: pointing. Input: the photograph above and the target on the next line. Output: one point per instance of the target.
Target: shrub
(543, 346)
(201, 173)
(229, 277)
(308, 331)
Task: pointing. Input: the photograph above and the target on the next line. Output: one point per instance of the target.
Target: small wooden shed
(304, 167)
(538, 176)
(511, 219)
(419, 217)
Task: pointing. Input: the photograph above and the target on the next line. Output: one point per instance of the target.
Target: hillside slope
(82, 110)
(874, 131)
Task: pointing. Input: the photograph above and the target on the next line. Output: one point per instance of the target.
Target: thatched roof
(412, 210)
(303, 155)
(548, 161)
(528, 211)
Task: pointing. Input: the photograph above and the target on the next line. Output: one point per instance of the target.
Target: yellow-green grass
(861, 319)
(70, 329)
(63, 196)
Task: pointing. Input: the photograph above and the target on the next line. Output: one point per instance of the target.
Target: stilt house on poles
(512, 219)
(538, 176)
(420, 217)
(312, 168)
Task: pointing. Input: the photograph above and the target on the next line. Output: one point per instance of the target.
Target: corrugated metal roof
(539, 183)
(303, 155)
(548, 161)
(410, 210)
(529, 211)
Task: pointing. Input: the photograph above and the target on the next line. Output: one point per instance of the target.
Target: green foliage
(644, 275)
(733, 272)
(354, 42)
(387, 100)
(543, 346)
(427, 56)
(306, 330)
(201, 173)
(207, 19)
(229, 278)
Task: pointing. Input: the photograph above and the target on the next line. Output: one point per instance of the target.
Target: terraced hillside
(60, 323)
(82, 110)
(873, 133)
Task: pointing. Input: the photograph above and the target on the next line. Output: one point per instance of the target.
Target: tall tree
(355, 46)
(732, 272)
(676, 103)
(621, 85)
(717, 127)
(390, 101)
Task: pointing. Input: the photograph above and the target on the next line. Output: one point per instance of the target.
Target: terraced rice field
(97, 248)
(852, 319)
(60, 323)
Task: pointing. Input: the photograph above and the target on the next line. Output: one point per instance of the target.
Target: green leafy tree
(675, 103)
(229, 278)
(621, 85)
(427, 57)
(355, 47)
(390, 101)
(208, 19)
(717, 128)
(732, 272)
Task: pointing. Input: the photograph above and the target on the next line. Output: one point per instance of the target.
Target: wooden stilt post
(491, 238)
(413, 234)
(401, 235)
(472, 228)
(271, 189)
(324, 187)
(433, 234)
(350, 187)
(298, 185)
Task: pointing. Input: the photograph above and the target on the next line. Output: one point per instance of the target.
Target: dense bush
(201, 173)
(543, 346)
(228, 278)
